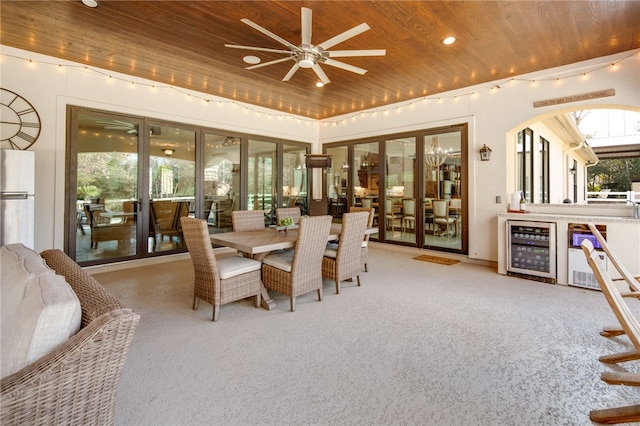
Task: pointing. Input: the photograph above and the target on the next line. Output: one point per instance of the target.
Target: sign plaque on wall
(575, 98)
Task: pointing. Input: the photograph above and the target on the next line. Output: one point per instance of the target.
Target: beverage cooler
(531, 250)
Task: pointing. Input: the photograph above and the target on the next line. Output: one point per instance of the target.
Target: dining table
(258, 244)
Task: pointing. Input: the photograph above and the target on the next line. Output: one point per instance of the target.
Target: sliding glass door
(104, 187)
(337, 178)
(221, 193)
(261, 193)
(415, 181)
(400, 190)
(444, 197)
(295, 183)
(366, 178)
(172, 183)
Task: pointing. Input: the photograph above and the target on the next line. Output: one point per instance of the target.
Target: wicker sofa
(77, 382)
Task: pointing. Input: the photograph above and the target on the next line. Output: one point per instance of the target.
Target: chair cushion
(232, 266)
(280, 260)
(443, 220)
(40, 311)
(331, 252)
(332, 246)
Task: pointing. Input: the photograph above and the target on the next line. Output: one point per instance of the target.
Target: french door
(104, 187)
(415, 181)
(130, 182)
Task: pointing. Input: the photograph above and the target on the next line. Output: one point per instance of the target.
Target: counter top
(569, 217)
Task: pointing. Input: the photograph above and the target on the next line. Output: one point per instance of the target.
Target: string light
(584, 75)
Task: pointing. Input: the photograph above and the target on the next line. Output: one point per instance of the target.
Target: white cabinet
(623, 236)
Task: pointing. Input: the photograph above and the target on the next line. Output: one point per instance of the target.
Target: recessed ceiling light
(319, 84)
(91, 3)
(250, 59)
(449, 40)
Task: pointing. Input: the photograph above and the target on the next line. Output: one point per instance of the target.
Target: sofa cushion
(39, 310)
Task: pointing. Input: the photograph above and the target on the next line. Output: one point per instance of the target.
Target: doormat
(436, 259)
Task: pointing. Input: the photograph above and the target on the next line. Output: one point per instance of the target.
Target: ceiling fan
(307, 55)
(112, 124)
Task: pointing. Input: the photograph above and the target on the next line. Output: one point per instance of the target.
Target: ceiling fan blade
(259, 49)
(344, 36)
(253, 67)
(321, 75)
(291, 72)
(344, 66)
(306, 25)
(349, 53)
(270, 34)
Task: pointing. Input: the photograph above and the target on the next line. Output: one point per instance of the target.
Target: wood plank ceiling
(181, 43)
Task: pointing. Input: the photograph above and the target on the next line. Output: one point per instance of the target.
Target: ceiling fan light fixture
(448, 40)
(91, 3)
(251, 59)
(306, 60)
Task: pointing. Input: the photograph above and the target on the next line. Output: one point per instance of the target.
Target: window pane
(337, 178)
(221, 180)
(366, 175)
(107, 186)
(443, 226)
(295, 185)
(171, 185)
(544, 171)
(262, 178)
(400, 200)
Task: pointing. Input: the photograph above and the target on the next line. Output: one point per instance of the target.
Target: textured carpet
(417, 344)
(436, 259)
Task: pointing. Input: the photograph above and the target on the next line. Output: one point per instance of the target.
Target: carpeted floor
(418, 344)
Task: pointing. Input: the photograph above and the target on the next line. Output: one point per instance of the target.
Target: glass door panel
(366, 175)
(262, 170)
(443, 207)
(172, 182)
(400, 189)
(336, 183)
(221, 180)
(295, 186)
(106, 187)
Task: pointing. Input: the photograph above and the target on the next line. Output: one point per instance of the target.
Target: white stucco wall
(492, 117)
(50, 88)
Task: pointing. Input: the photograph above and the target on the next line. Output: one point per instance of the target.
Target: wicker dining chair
(345, 262)
(299, 271)
(365, 243)
(292, 212)
(218, 281)
(247, 220)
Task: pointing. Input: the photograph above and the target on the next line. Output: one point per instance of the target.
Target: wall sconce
(573, 170)
(485, 153)
(168, 151)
